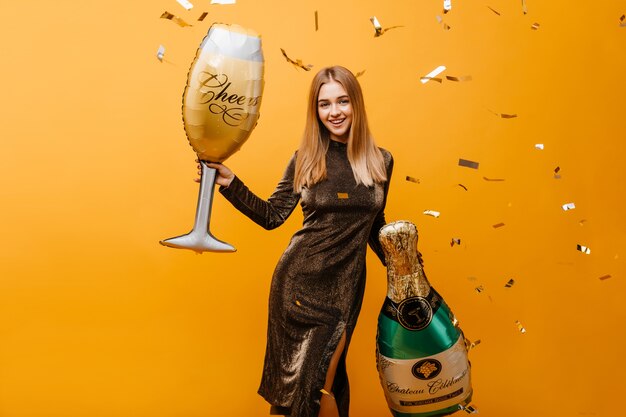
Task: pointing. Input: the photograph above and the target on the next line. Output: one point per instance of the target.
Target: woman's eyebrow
(327, 99)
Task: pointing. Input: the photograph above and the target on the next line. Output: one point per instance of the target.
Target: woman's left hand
(224, 175)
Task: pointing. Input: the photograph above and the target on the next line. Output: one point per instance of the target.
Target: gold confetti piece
(469, 409)
(584, 249)
(431, 75)
(524, 8)
(557, 174)
(180, 22)
(433, 213)
(378, 28)
(539, 146)
(480, 289)
(447, 6)
(474, 344)
(462, 186)
(455, 241)
(509, 283)
(426, 79)
(186, 4)
(534, 26)
(444, 24)
(582, 222)
(621, 21)
(569, 206)
(603, 277)
(459, 79)
(222, 1)
(316, 24)
(504, 115)
(161, 53)
(493, 179)
(495, 226)
(520, 327)
(298, 303)
(411, 179)
(202, 16)
(467, 163)
(297, 63)
(358, 74)
(495, 11)
(342, 196)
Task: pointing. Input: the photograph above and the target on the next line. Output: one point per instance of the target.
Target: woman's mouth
(337, 122)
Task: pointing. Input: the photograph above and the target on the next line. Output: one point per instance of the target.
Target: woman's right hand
(224, 175)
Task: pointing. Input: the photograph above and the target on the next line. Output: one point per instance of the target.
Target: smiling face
(334, 110)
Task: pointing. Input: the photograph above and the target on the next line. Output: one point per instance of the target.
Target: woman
(341, 179)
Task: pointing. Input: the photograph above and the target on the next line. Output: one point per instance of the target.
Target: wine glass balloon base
(200, 238)
(198, 243)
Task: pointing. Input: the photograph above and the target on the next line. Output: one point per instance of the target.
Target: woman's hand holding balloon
(224, 175)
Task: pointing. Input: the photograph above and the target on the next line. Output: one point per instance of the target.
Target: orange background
(97, 319)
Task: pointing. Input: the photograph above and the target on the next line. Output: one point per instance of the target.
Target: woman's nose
(335, 110)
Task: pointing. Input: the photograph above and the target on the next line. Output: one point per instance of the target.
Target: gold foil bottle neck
(405, 275)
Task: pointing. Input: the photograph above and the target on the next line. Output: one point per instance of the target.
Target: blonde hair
(366, 160)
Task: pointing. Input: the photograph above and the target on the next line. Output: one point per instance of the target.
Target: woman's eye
(344, 101)
(323, 105)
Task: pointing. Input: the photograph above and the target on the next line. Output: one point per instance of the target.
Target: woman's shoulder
(386, 155)
(292, 160)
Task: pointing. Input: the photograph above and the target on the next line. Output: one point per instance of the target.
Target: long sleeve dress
(317, 287)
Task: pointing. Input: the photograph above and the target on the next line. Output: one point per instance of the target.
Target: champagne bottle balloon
(421, 352)
(220, 109)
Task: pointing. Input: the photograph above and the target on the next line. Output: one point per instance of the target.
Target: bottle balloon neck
(403, 286)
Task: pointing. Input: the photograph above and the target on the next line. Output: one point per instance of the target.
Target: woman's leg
(328, 405)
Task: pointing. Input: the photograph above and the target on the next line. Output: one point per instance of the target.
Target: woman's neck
(339, 139)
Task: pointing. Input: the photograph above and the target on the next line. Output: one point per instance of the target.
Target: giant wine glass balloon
(220, 108)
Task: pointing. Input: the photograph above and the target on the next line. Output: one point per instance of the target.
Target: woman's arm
(380, 221)
(268, 214)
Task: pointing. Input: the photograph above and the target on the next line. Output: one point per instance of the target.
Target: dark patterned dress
(318, 285)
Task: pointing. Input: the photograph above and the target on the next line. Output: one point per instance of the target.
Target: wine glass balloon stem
(200, 238)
